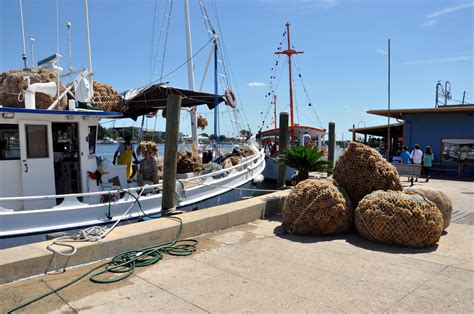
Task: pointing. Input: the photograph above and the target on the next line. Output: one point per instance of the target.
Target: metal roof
(398, 113)
(151, 98)
(378, 130)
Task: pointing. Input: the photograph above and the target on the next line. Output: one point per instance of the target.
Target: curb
(34, 259)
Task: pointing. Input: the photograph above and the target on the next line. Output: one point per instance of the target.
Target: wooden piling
(283, 144)
(173, 109)
(332, 141)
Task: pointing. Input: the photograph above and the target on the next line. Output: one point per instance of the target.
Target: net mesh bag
(361, 170)
(12, 83)
(442, 201)
(188, 162)
(107, 98)
(317, 207)
(398, 218)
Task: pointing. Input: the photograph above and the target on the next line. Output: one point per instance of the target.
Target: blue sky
(344, 65)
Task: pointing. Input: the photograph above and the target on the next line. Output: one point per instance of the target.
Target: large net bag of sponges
(12, 85)
(317, 207)
(442, 201)
(107, 98)
(399, 218)
(189, 161)
(361, 170)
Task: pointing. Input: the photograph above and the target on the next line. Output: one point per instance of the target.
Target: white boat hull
(194, 193)
(271, 170)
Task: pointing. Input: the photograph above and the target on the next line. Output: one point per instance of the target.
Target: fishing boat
(53, 180)
(269, 139)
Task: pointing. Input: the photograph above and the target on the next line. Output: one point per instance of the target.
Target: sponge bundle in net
(107, 98)
(317, 207)
(438, 197)
(188, 162)
(12, 83)
(399, 218)
(361, 170)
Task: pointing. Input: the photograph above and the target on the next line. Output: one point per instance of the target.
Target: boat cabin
(270, 138)
(47, 152)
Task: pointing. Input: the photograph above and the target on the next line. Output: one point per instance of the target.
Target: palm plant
(305, 159)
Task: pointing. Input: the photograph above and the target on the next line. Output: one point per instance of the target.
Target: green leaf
(305, 159)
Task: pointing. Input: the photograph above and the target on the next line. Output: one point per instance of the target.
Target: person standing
(125, 152)
(428, 158)
(416, 157)
(404, 155)
(307, 139)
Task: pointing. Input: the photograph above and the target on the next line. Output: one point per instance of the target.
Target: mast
(89, 56)
(289, 52)
(275, 111)
(189, 51)
(23, 55)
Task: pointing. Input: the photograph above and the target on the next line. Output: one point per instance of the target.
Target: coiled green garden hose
(126, 262)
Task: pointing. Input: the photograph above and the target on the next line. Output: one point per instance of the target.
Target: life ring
(230, 99)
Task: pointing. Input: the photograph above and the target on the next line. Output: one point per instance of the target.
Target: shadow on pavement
(353, 238)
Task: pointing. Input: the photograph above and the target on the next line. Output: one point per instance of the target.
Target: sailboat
(52, 179)
(269, 139)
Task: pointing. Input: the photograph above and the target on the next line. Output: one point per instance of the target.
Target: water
(108, 150)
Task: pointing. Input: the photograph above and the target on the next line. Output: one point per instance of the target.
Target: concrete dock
(256, 267)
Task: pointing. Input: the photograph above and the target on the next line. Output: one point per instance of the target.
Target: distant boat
(269, 139)
(107, 140)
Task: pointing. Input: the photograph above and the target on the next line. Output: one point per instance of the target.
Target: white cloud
(441, 60)
(256, 84)
(450, 9)
(382, 51)
(430, 22)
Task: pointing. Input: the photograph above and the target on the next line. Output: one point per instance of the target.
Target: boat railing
(239, 167)
(99, 193)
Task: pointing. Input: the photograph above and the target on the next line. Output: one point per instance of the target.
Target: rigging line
(230, 77)
(168, 19)
(162, 30)
(278, 84)
(307, 94)
(179, 67)
(152, 45)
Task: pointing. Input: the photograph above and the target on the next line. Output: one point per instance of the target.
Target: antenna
(23, 55)
(68, 26)
(32, 41)
(443, 93)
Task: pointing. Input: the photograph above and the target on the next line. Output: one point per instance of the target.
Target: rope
(126, 263)
(242, 189)
(91, 234)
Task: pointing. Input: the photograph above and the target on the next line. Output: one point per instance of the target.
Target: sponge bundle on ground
(361, 170)
(399, 218)
(317, 207)
(438, 197)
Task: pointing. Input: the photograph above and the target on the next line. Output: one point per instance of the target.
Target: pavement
(256, 267)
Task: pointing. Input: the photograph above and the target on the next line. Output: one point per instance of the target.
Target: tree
(102, 132)
(245, 133)
(305, 159)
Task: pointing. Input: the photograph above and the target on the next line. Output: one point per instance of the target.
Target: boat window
(92, 139)
(9, 142)
(37, 141)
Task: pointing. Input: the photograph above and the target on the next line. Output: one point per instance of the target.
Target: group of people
(417, 157)
(148, 171)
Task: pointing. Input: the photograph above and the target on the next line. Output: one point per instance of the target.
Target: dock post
(283, 144)
(332, 137)
(173, 109)
(353, 133)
